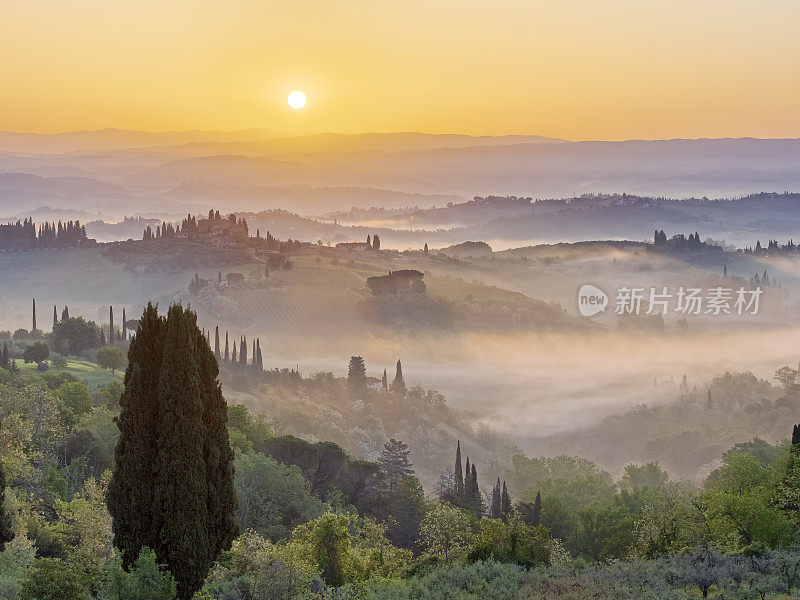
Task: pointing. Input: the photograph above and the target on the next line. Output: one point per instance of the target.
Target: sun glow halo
(297, 99)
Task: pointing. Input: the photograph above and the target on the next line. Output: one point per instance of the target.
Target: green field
(88, 373)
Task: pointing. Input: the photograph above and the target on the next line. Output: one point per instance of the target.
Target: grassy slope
(87, 372)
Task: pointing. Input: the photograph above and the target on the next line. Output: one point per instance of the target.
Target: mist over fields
(498, 331)
(176, 172)
(551, 373)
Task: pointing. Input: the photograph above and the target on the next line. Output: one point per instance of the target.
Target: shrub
(52, 579)
(147, 580)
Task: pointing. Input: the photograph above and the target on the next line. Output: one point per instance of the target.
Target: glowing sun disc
(297, 99)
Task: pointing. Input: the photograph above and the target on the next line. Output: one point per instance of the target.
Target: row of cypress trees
(235, 356)
(501, 502)
(172, 488)
(465, 492)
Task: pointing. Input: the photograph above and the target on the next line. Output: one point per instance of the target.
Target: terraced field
(310, 302)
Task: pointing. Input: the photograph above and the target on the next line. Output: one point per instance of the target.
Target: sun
(297, 99)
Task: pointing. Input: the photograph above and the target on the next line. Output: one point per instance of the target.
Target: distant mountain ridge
(175, 171)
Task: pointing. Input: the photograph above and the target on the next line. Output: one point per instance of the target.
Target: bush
(147, 580)
(37, 352)
(513, 542)
(59, 361)
(110, 357)
(74, 401)
(256, 569)
(52, 579)
(13, 563)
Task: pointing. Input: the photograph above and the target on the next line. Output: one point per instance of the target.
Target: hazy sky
(579, 69)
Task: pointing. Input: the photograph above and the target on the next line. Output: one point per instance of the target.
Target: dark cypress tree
(102, 337)
(65, 313)
(505, 503)
(124, 325)
(216, 342)
(4, 356)
(233, 354)
(399, 384)
(253, 357)
(357, 376)
(227, 351)
(111, 336)
(537, 510)
(496, 507)
(180, 510)
(6, 533)
(260, 361)
(172, 488)
(243, 351)
(458, 479)
(34, 315)
(796, 438)
(467, 483)
(55, 318)
(384, 381)
(476, 502)
(130, 492)
(217, 454)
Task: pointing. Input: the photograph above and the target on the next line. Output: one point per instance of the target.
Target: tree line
(24, 235)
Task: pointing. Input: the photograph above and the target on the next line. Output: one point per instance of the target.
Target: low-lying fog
(533, 386)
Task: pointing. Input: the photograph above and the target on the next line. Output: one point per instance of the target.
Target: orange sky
(579, 69)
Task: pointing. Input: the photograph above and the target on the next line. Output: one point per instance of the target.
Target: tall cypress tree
(243, 350)
(505, 503)
(495, 510)
(111, 337)
(55, 317)
(217, 454)
(130, 492)
(227, 350)
(399, 384)
(216, 342)
(124, 325)
(34, 315)
(458, 479)
(476, 502)
(537, 509)
(233, 354)
(65, 313)
(467, 483)
(180, 511)
(172, 488)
